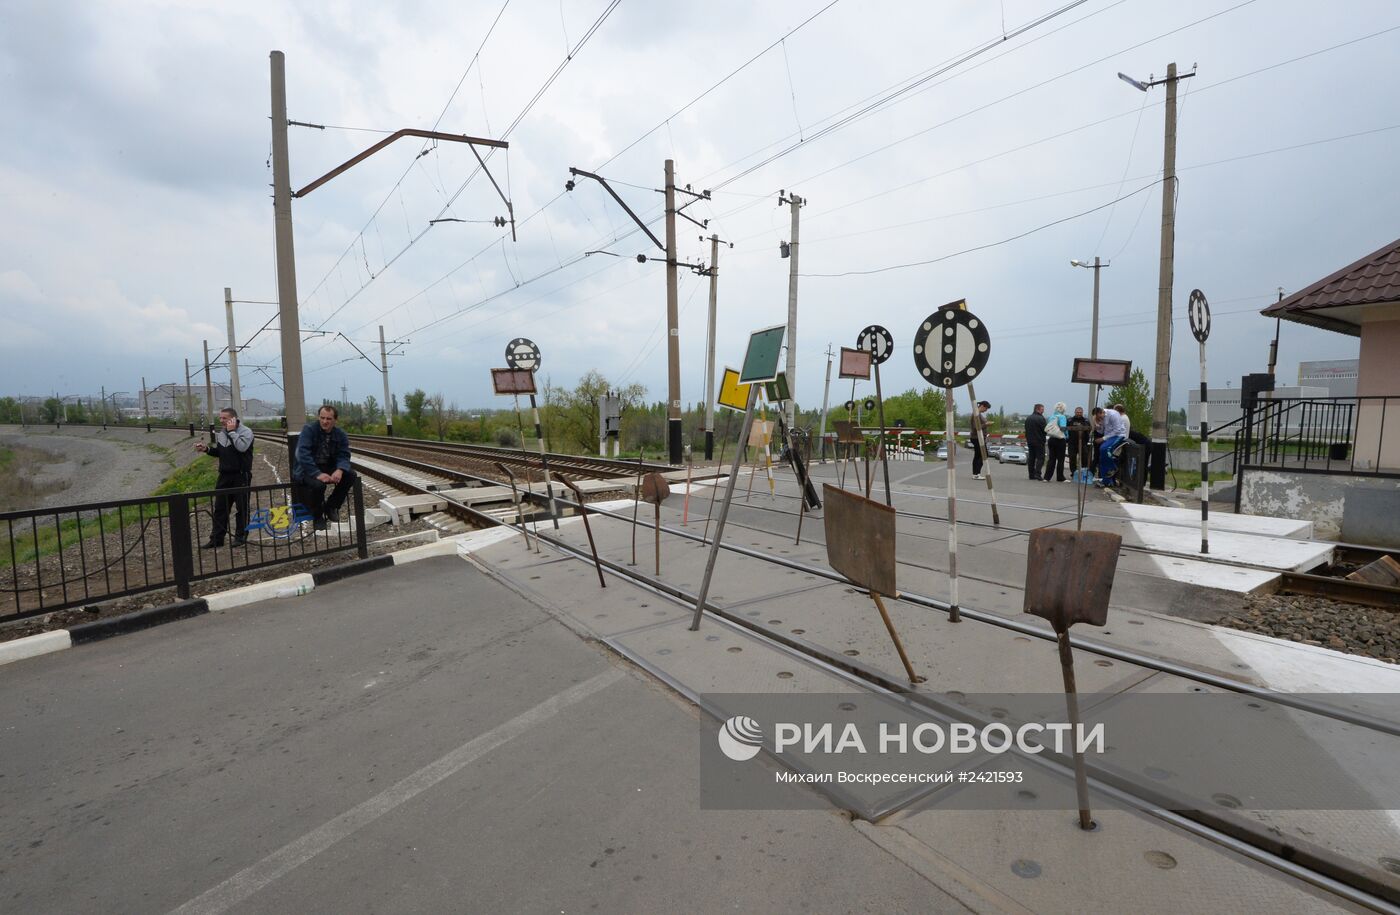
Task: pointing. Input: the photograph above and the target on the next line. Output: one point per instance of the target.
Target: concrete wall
(1377, 433)
(1350, 508)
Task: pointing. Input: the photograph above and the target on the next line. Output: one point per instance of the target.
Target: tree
(571, 417)
(53, 410)
(413, 403)
(9, 410)
(439, 415)
(373, 415)
(919, 408)
(1136, 397)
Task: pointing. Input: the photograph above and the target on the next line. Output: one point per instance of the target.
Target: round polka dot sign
(952, 346)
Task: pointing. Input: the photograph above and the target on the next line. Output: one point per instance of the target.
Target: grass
(1191, 479)
(197, 476)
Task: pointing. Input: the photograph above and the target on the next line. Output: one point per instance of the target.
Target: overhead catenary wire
(882, 99)
(995, 244)
(436, 123)
(447, 206)
(575, 260)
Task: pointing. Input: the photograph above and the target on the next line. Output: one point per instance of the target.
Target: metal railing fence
(75, 555)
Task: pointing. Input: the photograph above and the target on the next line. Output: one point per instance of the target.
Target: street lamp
(1096, 266)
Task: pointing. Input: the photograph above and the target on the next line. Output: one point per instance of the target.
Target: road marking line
(290, 856)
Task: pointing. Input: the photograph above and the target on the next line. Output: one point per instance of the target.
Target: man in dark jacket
(1081, 433)
(233, 446)
(323, 459)
(1035, 441)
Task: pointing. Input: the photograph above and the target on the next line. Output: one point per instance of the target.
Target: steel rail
(1128, 656)
(1194, 525)
(1282, 856)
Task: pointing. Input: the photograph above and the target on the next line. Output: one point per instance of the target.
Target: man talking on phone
(233, 446)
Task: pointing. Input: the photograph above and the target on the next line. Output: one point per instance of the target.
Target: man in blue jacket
(323, 459)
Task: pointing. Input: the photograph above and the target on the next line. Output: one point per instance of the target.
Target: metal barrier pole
(361, 535)
(583, 513)
(181, 549)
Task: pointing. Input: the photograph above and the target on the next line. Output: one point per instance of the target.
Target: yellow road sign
(732, 394)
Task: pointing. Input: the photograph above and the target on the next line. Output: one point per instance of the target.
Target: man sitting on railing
(234, 448)
(323, 459)
(1115, 432)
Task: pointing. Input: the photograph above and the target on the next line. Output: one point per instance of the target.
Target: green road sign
(777, 389)
(761, 360)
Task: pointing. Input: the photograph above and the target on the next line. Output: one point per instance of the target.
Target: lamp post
(1096, 266)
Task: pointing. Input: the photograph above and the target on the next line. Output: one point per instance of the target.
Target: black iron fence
(74, 555)
(1342, 435)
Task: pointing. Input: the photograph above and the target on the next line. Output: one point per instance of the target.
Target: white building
(1338, 376)
(168, 401)
(1224, 405)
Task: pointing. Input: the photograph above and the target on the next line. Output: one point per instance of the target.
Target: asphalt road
(419, 739)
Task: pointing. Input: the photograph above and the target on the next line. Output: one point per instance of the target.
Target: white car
(1012, 455)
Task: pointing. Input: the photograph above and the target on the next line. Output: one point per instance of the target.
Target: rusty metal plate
(847, 434)
(855, 363)
(860, 540)
(655, 489)
(513, 381)
(1069, 575)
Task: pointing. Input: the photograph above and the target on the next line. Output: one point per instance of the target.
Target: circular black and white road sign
(869, 404)
(1198, 313)
(522, 354)
(850, 406)
(951, 347)
(876, 341)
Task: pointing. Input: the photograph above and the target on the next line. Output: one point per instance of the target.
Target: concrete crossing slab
(1041, 861)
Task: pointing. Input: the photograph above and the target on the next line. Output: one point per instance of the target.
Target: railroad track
(1357, 883)
(574, 464)
(483, 459)
(1332, 587)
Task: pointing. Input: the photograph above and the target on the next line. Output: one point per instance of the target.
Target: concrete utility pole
(826, 395)
(673, 349)
(1161, 392)
(795, 203)
(145, 402)
(1273, 344)
(104, 406)
(208, 392)
(1157, 456)
(293, 386)
(710, 349)
(384, 368)
(189, 395)
(673, 332)
(235, 395)
(1094, 332)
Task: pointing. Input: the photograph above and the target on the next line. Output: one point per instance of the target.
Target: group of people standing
(1089, 441)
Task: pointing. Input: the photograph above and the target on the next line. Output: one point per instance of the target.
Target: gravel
(1366, 631)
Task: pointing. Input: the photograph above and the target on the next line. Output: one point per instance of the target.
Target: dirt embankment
(77, 464)
(86, 464)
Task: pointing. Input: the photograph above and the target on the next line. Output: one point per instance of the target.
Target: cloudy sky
(135, 181)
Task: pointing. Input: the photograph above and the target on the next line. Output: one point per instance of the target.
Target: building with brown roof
(1362, 300)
